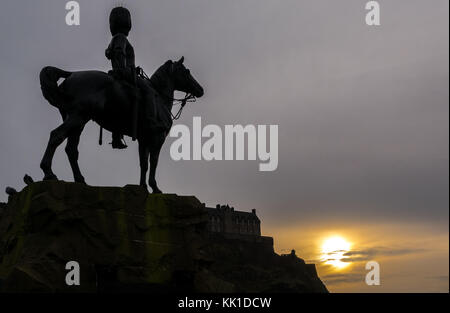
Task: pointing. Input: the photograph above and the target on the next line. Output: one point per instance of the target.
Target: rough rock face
(127, 240)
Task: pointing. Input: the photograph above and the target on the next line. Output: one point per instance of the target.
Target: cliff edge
(127, 240)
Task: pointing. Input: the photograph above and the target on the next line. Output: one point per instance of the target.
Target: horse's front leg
(154, 157)
(143, 160)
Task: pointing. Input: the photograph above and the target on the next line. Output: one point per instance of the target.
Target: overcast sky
(362, 111)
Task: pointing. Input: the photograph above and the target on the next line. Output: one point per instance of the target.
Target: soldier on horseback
(121, 54)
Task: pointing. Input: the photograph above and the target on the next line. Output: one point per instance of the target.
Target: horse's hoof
(50, 177)
(157, 191)
(80, 180)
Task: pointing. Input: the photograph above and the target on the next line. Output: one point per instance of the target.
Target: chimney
(254, 211)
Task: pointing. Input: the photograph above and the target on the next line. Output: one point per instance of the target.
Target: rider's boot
(117, 141)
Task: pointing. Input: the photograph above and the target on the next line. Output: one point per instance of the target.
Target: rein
(187, 98)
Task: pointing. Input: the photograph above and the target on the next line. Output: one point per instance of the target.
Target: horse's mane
(160, 75)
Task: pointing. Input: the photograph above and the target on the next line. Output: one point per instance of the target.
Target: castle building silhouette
(225, 219)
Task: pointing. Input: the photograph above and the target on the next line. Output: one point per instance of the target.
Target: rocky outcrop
(127, 240)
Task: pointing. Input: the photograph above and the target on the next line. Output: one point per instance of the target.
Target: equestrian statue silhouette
(124, 101)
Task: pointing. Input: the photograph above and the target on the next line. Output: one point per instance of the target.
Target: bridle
(188, 97)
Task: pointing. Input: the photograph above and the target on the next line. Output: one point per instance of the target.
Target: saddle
(132, 85)
(127, 79)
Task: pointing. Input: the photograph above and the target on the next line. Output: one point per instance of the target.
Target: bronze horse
(97, 96)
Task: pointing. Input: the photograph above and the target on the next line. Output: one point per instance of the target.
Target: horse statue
(97, 96)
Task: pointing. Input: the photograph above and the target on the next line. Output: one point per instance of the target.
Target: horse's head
(184, 81)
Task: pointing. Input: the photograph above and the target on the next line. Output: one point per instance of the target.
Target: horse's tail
(49, 77)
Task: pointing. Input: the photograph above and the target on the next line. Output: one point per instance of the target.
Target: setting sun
(333, 250)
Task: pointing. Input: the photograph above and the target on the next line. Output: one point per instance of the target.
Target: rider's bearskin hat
(120, 21)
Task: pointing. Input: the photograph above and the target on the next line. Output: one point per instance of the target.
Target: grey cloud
(370, 253)
(334, 279)
(362, 112)
(441, 278)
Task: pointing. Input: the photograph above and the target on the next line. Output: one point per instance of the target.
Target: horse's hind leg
(72, 153)
(57, 136)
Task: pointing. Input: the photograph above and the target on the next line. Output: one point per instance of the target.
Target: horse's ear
(181, 60)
